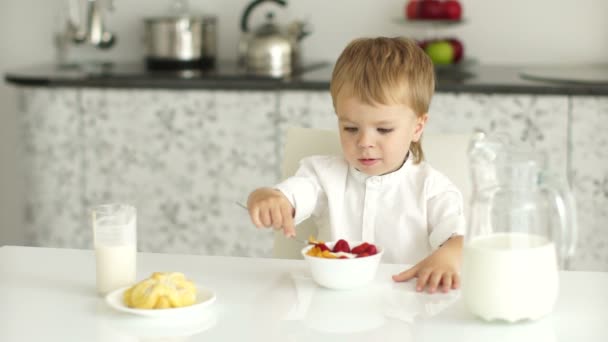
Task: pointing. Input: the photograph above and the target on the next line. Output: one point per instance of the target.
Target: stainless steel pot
(180, 42)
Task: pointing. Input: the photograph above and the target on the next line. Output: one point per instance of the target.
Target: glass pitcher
(522, 229)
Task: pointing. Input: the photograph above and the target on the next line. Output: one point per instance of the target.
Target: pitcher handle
(566, 208)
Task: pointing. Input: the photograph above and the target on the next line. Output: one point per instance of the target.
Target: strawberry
(341, 246)
(371, 250)
(322, 246)
(362, 255)
(361, 248)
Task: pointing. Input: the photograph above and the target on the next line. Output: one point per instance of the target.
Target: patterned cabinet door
(51, 153)
(540, 122)
(589, 121)
(182, 158)
(311, 109)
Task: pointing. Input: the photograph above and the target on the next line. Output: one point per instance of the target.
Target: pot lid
(179, 10)
(188, 17)
(269, 28)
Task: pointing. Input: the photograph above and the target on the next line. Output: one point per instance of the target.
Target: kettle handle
(566, 208)
(251, 6)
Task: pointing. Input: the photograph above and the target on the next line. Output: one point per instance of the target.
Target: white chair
(445, 152)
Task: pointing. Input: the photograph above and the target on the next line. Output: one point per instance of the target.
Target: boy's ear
(419, 127)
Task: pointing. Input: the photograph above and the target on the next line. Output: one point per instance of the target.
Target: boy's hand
(438, 270)
(270, 208)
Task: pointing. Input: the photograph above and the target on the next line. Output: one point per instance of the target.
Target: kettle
(522, 229)
(270, 50)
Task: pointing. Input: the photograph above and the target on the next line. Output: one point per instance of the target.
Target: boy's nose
(365, 140)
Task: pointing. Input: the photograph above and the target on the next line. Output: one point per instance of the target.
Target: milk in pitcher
(510, 276)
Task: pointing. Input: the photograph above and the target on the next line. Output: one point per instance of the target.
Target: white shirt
(408, 212)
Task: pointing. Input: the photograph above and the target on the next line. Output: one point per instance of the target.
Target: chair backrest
(299, 143)
(445, 152)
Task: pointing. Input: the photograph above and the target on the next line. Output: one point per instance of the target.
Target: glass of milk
(115, 239)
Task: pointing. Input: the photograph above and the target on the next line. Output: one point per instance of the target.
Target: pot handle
(249, 9)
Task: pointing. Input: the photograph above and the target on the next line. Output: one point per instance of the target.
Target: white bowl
(343, 274)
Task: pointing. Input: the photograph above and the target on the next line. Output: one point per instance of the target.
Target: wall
(22, 44)
(497, 32)
(537, 31)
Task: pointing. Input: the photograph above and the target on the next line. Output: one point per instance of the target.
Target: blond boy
(381, 190)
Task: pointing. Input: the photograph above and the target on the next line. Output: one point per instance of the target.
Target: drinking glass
(115, 239)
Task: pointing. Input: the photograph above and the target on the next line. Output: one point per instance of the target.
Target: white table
(49, 295)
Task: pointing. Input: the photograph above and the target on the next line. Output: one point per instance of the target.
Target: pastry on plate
(162, 290)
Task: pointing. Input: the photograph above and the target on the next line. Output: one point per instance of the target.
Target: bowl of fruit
(341, 264)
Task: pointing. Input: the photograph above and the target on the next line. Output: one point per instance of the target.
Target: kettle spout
(298, 30)
(302, 35)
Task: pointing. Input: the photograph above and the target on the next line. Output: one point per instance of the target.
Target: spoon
(294, 238)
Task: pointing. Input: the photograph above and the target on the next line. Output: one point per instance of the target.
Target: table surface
(49, 294)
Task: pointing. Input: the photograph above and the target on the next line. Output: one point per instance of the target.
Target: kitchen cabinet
(184, 157)
(588, 148)
(53, 160)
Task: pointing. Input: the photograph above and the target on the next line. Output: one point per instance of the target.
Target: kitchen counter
(487, 79)
(147, 138)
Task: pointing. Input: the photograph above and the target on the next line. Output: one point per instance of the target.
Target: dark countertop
(488, 79)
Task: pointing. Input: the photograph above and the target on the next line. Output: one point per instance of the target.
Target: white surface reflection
(405, 304)
(382, 309)
(474, 329)
(337, 311)
(120, 327)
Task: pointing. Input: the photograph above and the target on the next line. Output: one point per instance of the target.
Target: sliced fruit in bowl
(333, 267)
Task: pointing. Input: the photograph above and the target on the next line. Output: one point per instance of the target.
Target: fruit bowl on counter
(445, 11)
(342, 265)
(433, 14)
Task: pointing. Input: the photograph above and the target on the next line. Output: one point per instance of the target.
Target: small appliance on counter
(180, 40)
(270, 50)
(83, 24)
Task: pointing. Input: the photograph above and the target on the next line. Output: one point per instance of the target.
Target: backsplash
(183, 158)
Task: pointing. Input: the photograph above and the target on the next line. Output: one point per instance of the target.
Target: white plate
(204, 298)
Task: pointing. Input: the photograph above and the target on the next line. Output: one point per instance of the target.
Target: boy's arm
(445, 219)
(440, 269)
(289, 202)
(303, 190)
(270, 208)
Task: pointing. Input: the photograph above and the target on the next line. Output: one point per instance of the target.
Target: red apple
(458, 49)
(431, 9)
(451, 10)
(412, 9)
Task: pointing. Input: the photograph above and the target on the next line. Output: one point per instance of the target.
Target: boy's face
(376, 138)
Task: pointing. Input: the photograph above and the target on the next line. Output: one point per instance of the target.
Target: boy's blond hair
(386, 71)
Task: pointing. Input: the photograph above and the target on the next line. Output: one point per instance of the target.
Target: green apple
(441, 52)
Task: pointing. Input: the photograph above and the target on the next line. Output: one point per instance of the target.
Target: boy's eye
(384, 130)
(350, 129)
